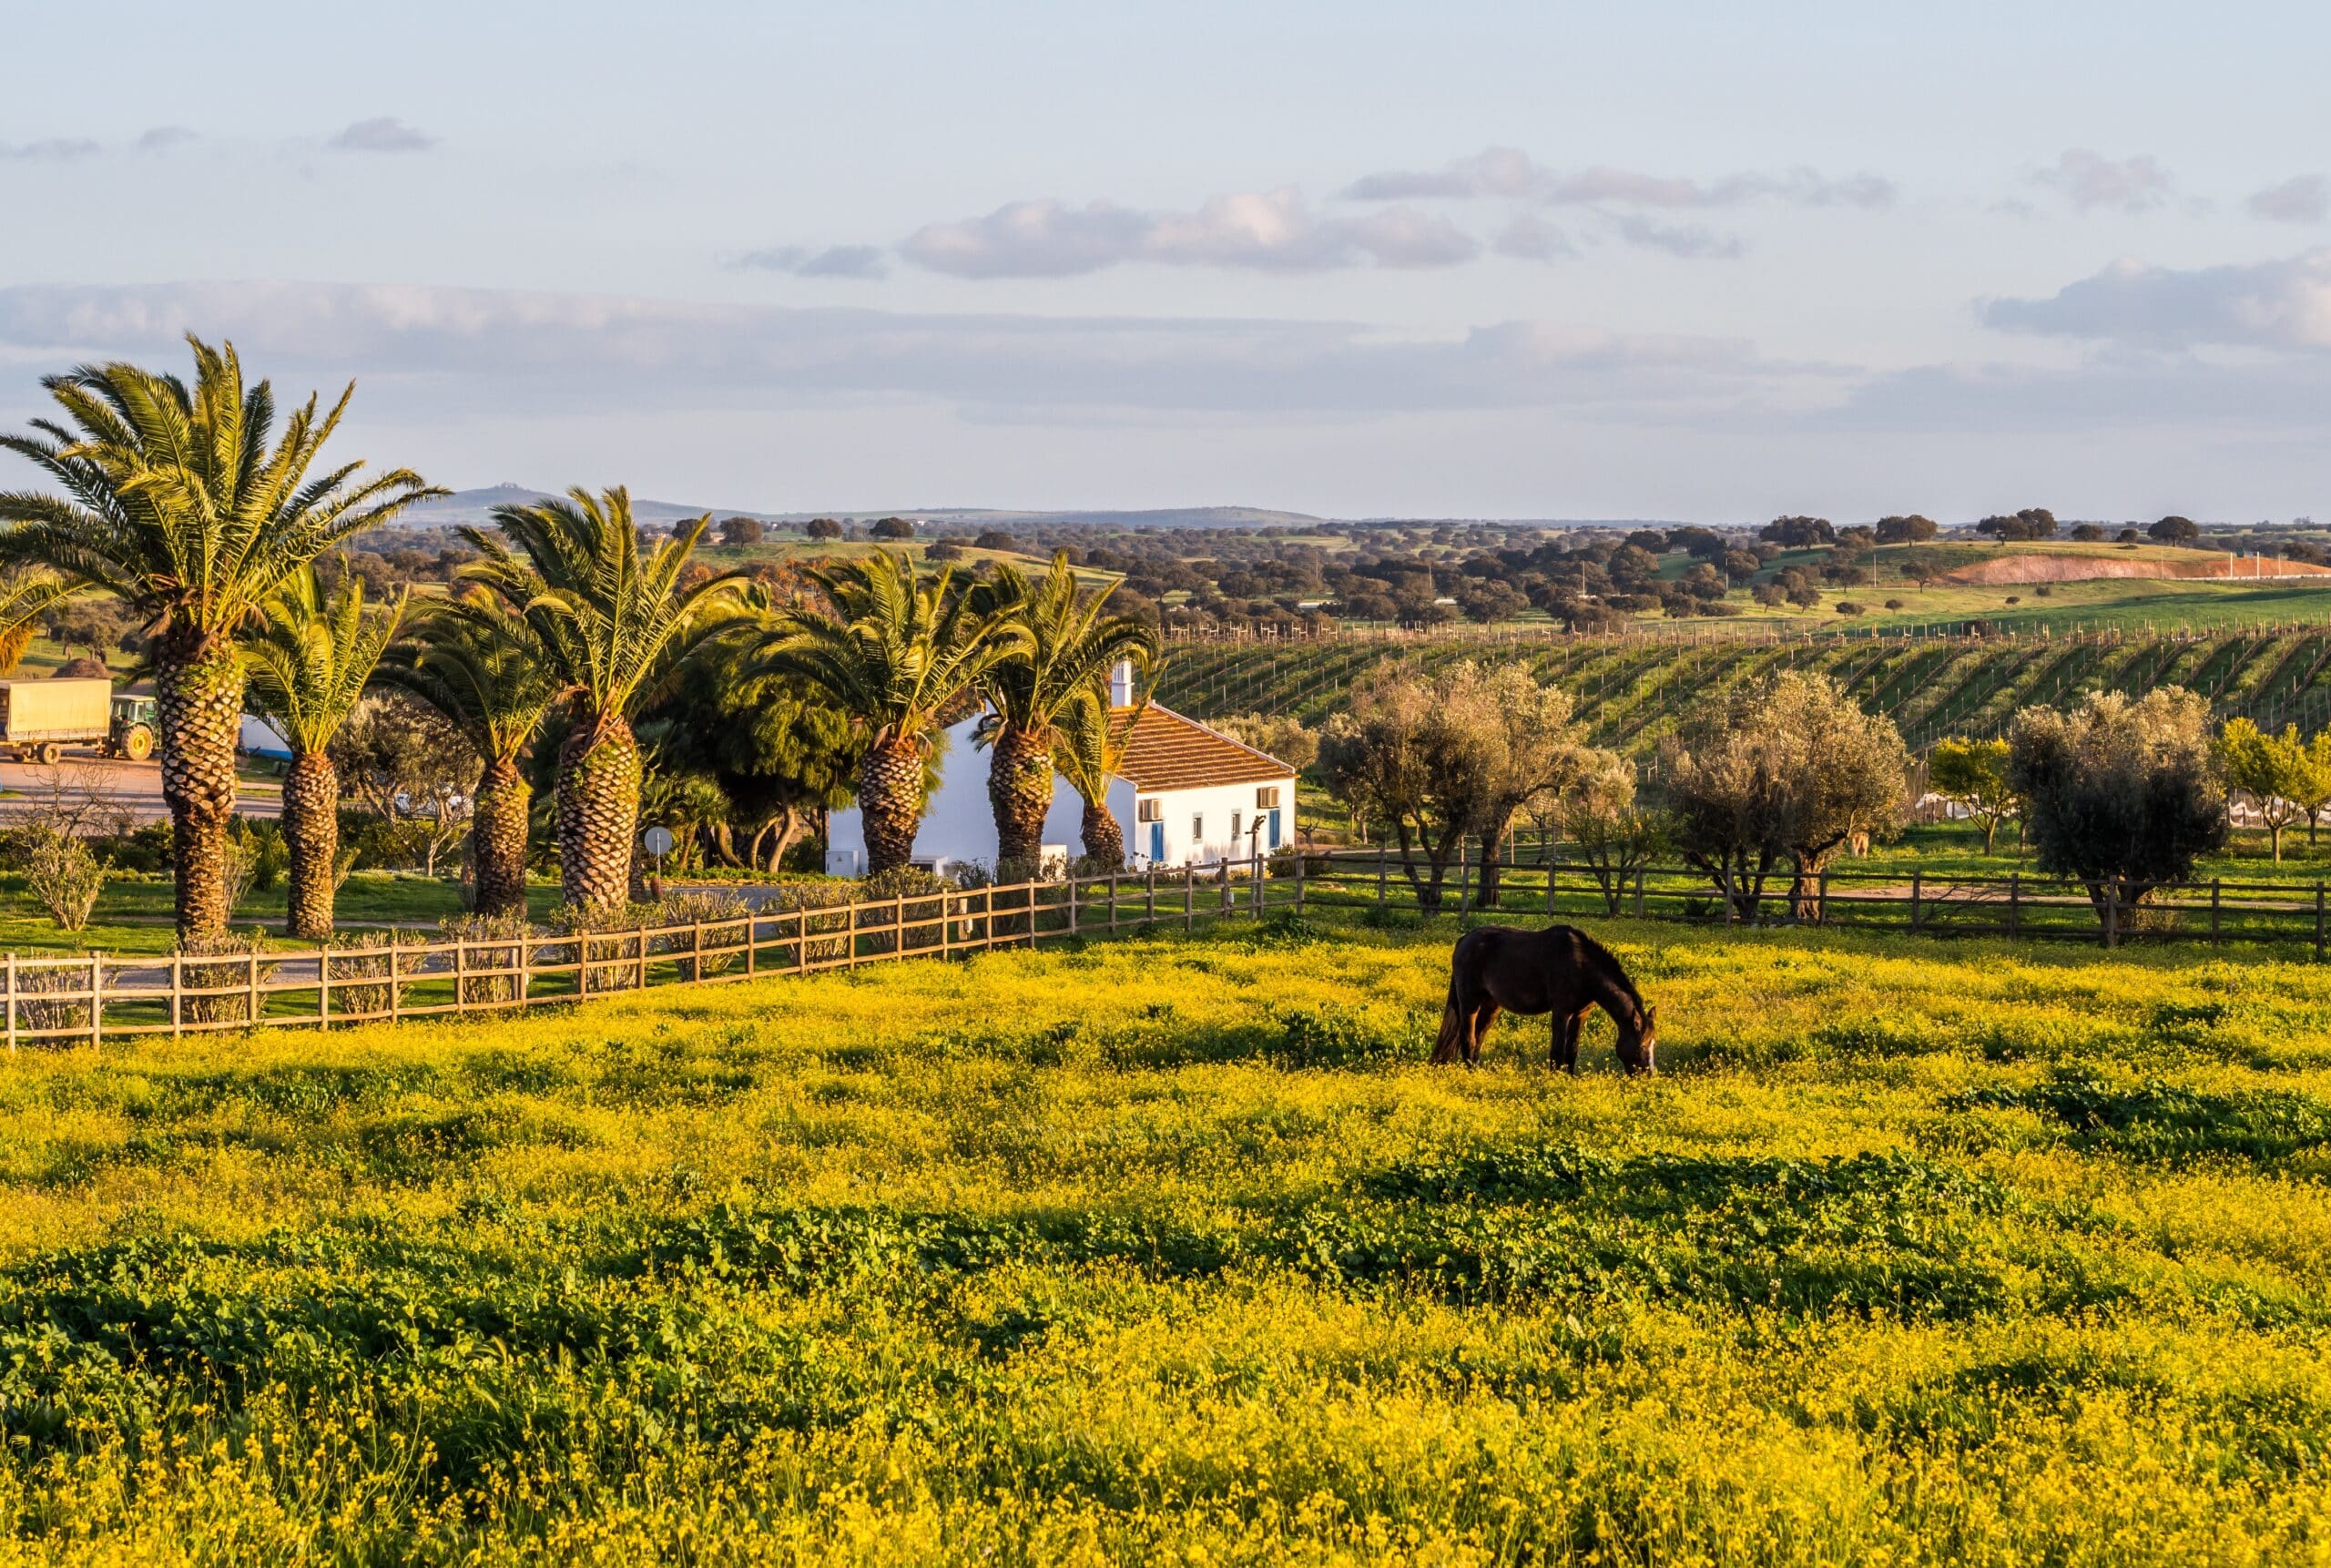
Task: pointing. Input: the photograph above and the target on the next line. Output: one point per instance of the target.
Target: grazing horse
(1560, 970)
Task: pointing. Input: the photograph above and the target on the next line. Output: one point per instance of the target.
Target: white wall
(960, 823)
(1214, 803)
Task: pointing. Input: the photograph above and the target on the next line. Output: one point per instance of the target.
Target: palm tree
(477, 661)
(179, 501)
(611, 620)
(1091, 749)
(893, 657)
(1071, 646)
(26, 594)
(308, 667)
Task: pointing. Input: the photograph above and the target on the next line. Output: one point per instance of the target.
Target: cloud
(2302, 198)
(1508, 172)
(1529, 238)
(1270, 230)
(385, 134)
(2088, 179)
(1691, 241)
(429, 349)
(161, 139)
(51, 150)
(2281, 305)
(832, 262)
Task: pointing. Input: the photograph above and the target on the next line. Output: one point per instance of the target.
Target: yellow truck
(39, 718)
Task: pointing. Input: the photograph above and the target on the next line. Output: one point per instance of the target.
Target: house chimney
(1121, 684)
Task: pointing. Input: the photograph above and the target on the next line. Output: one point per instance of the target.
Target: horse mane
(1608, 962)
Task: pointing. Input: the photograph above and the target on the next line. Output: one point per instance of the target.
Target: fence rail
(93, 996)
(97, 996)
(1530, 877)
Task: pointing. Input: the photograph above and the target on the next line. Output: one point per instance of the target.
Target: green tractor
(131, 733)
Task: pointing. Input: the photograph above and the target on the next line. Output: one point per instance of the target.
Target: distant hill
(476, 506)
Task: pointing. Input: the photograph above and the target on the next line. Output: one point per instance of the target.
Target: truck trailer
(39, 718)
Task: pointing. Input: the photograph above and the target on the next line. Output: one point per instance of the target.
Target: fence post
(1189, 899)
(1724, 887)
(1299, 873)
(97, 997)
(524, 954)
(396, 991)
(1255, 869)
(1550, 870)
(801, 941)
(1113, 903)
(1639, 876)
(174, 1009)
(1464, 875)
(1222, 871)
(752, 942)
(1383, 853)
(582, 965)
(252, 975)
(1917, 889)
(1821, 896)
(1149, 906)
(2014, 902)
(178, 989)
(898, 926)
(639, 956)
(323, 987)
(2214, 884)
(1072, 905)
(2318, 951)
(461, 972)
(696, 950)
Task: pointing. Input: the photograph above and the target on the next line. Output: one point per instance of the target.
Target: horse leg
(1483, 1016)
(1572, 1026)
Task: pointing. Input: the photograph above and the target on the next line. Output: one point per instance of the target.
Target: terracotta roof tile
(1167, 751)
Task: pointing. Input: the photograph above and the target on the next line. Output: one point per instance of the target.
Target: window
(1267, 798)
(1233, 826)
(1197, 827)
(1153, 811)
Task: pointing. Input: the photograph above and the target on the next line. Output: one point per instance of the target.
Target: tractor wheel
(51, 754)
(138, 744)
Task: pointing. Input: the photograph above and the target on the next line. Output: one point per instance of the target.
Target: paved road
(132, 787)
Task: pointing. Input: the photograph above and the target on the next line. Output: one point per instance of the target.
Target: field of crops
(1631, 690)
(1172, 1250)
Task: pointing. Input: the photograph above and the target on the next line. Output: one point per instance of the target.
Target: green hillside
(1631, 689)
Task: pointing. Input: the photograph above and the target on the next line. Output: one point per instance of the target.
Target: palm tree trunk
(311, 832)
(498, 839)
(1020, 788)
(598, 810)
(1105, 836)
(198, 700)
(889, 804)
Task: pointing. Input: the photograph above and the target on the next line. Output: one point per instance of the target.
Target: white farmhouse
(1183, 793)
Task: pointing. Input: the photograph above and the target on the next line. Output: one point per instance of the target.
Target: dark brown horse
(1560, 970)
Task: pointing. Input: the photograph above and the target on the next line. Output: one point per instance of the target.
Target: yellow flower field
(1175, 1251)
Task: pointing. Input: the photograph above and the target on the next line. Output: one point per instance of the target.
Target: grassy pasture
(1173, 1250)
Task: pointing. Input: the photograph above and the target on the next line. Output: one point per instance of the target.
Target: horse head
(1639, 1040)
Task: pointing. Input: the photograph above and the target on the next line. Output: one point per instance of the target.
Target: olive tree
(2121, 796)
(1436, 758)
(1972, 775)
(2276, 771)
(1607, 827)
(1781, 772)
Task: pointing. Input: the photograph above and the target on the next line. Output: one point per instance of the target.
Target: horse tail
(1450, 1045)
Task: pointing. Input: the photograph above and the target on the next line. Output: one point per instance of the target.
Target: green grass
(1174, 1250)
(134, 913)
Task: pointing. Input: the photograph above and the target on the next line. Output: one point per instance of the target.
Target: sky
(1705, 262)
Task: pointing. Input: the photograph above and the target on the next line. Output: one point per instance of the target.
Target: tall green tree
(1972, 774)
(1071, 643)
(477, 661)
(180, 499)
(309, 666)
(612, 619)
(2279, 772)
(894, 652)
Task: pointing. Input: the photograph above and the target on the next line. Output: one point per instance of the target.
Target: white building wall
(959, 823)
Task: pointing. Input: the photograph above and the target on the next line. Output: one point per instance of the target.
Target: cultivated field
(1172, 1249)
(1631, 690)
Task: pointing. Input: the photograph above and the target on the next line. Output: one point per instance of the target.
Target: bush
(490, 987)
(723, 910)
(230, 1006)
(64, 877)
(360, 966)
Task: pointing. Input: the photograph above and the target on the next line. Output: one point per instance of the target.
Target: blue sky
(1485, 260)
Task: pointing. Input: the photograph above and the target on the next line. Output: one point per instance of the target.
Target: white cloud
(1504, 171)
(2302, 198)
(2088, 179)
(433, 348)
(1691, 241)
(161, 139)
(51, 150)
(2283, 305)
(1529, 238)
(384, 134)
(830, 262)
(1272, 230)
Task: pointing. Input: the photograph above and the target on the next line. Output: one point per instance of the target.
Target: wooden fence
(1532, 879)
(94, 997)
